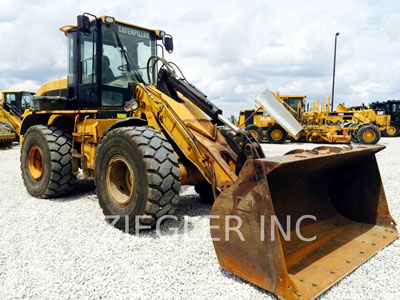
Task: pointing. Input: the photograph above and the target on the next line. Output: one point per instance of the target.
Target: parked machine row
(320, 124)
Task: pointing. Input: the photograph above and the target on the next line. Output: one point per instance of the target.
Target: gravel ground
(63, 248)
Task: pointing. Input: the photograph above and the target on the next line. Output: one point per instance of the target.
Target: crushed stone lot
(64, 249)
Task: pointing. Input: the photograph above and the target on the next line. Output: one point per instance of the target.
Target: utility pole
(334, 67)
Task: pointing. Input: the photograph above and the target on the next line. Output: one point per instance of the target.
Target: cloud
(231, 52)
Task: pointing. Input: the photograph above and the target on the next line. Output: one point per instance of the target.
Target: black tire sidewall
(127, 148)
(34, 136)
(275, 127)
(368, 127)
(384, 133)
(259, 132)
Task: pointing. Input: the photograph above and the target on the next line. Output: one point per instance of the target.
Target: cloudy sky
(232, 50)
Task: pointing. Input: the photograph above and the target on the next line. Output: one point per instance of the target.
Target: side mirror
(84, 24)
(168, 44)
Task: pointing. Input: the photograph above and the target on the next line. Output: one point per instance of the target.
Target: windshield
(125, 53)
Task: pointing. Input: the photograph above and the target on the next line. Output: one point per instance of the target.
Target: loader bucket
(295, 225)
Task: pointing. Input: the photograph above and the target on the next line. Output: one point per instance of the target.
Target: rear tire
(368, 134)
(204, 189)
(392, 131)
(276, 134)
(353, 135)
(256, 132)
(136, 174)
(46, 161)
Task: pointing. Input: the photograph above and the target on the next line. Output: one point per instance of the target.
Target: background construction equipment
(12, 108)
(263, 126)
(320, 124)
(7, 136)
(391, 108)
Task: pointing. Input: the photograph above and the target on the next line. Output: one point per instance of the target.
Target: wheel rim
(368, 135)
(276, 134)
(391, 130)
(35, 162)
(254, 133)
(120, 180)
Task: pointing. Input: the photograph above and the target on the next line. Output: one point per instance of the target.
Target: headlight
(109, 20)
(131, 105)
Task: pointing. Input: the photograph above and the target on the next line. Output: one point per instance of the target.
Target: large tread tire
(256, 132)
(56, 146)
(368, 134)
(276, 139)
(155, 180)
(394, 130)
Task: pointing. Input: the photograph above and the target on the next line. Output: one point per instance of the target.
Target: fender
(124, 123)
(33, 119)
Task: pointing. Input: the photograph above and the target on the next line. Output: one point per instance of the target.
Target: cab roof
(16, 91)
(68, 28)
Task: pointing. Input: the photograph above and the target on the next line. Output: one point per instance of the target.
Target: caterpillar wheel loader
(131, 120)
(14, 104)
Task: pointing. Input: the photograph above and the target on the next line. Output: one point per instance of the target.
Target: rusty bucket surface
(294, 225)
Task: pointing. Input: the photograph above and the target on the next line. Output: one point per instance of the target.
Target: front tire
(368, 134)
(276, 134)
(136, 174)
(392, 131)
(46, 161)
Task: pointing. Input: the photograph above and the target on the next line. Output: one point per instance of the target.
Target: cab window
(87, 59)
(26, 101)
(124, 59)
(11, 99)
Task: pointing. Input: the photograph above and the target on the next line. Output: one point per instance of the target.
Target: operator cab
(295, 102)
(106, 59)
(18, 101)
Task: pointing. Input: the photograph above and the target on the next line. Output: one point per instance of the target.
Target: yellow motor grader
(364, 126)
(131, 120)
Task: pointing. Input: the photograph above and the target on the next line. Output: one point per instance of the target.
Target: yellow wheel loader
(131, 120)
(14, 104)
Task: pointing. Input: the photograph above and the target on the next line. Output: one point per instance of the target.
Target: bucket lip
(320, 153)
(355, 267)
